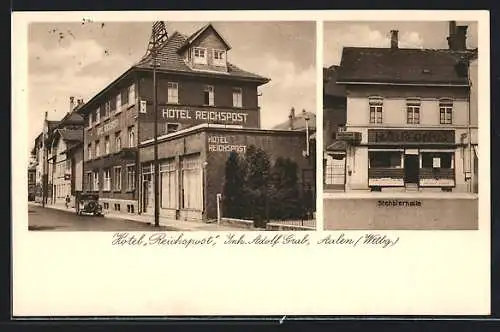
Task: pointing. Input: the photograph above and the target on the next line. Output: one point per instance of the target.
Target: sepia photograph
(179, 126)
(400, 121)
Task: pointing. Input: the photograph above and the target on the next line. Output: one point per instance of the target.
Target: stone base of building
(186, 215)
(393, 211)
(119, 206)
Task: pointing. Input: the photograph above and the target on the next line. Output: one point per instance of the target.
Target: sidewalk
(179, 225)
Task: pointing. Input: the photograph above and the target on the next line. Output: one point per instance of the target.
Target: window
(118, 142)
(106, 145)
(89, 149)
(117, 178)
(107, 180)
(95, 184)
(130, 177)
(376, 107)
(219, 57)
(124, 97)
(105, 205)
(68, 164)
(168, 182)
(107, 109)
(237, 97)
(117, 207)
(385, 159)
(112, 104)
(413, 112)
(437, 159)
(208, 95)
(173, 93)
(97, 149)
(445, 111)
(98, 115)
(90, 119)
(131, 137)
(192, 183)
(171, 127)
(199, 55)
(118, 102)
(131, 94)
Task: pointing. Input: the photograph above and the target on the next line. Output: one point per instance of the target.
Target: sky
(377, 34)
(81, 58)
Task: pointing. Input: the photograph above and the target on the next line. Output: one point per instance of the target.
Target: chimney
(291, 118)
(46, 115)
(71, 103)
(461, 38)
(394, 39)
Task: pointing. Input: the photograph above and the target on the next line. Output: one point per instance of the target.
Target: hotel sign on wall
(107, 126)
(200, 115)
(224, 144)
(397, 136)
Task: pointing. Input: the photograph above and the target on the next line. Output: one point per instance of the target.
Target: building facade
(409, 125)
(206, 107)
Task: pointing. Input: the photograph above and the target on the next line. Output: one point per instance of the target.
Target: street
(47, 219)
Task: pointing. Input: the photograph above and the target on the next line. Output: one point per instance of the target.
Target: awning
(337, 146)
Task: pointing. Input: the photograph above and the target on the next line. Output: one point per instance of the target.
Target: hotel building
(206, 108)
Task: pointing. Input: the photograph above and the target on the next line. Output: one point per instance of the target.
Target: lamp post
(306, 120)
(155, 144)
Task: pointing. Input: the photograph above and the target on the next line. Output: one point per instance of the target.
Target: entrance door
(411, 168)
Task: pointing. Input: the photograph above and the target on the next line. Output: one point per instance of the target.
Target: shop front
(406, 160)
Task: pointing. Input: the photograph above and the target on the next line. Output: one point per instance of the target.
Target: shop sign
(439, 182)
(108, 126)
(223, 144)
(410, 136)
(205, 116)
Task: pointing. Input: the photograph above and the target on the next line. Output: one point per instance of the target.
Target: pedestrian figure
(67, 201)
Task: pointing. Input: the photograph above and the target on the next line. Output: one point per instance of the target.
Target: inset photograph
(178, 126)
(400, 115)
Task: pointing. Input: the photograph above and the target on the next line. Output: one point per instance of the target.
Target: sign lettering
(411, 136)
(398, 203)
(107, 127)
(222, 144)
(216, 116)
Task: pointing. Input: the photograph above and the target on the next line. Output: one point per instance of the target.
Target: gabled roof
(169, 59)
(404, 66)
(72, 118)
(330, 86)
(191, 39)
(299, 123)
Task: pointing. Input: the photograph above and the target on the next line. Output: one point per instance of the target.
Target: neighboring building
(31, 182)
(67, 148)
(409, 124)
(43, 152)
(334, 120)
(207, 107)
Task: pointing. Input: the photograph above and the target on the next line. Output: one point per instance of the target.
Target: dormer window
(219, 58)
(200, 55)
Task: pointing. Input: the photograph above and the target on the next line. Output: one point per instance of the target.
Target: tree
(233, 191)
(257, 184)
(285, 201)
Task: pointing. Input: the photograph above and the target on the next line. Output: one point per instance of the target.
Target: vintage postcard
(250, 163)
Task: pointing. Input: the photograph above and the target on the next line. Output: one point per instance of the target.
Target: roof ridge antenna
(158, 37)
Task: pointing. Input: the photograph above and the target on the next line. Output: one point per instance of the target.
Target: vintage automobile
(88, 204)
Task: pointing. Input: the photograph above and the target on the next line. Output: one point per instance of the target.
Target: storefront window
(385, 159)
(192, 183)
(169, 188)
(437, 160)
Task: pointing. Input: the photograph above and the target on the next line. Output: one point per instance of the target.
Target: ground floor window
(117, 178)
(95, 184)
(169, 187)
(385, 159)
(192, 184)
(107, 180)
(437, 160)
(130, 177)
(334, 170)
